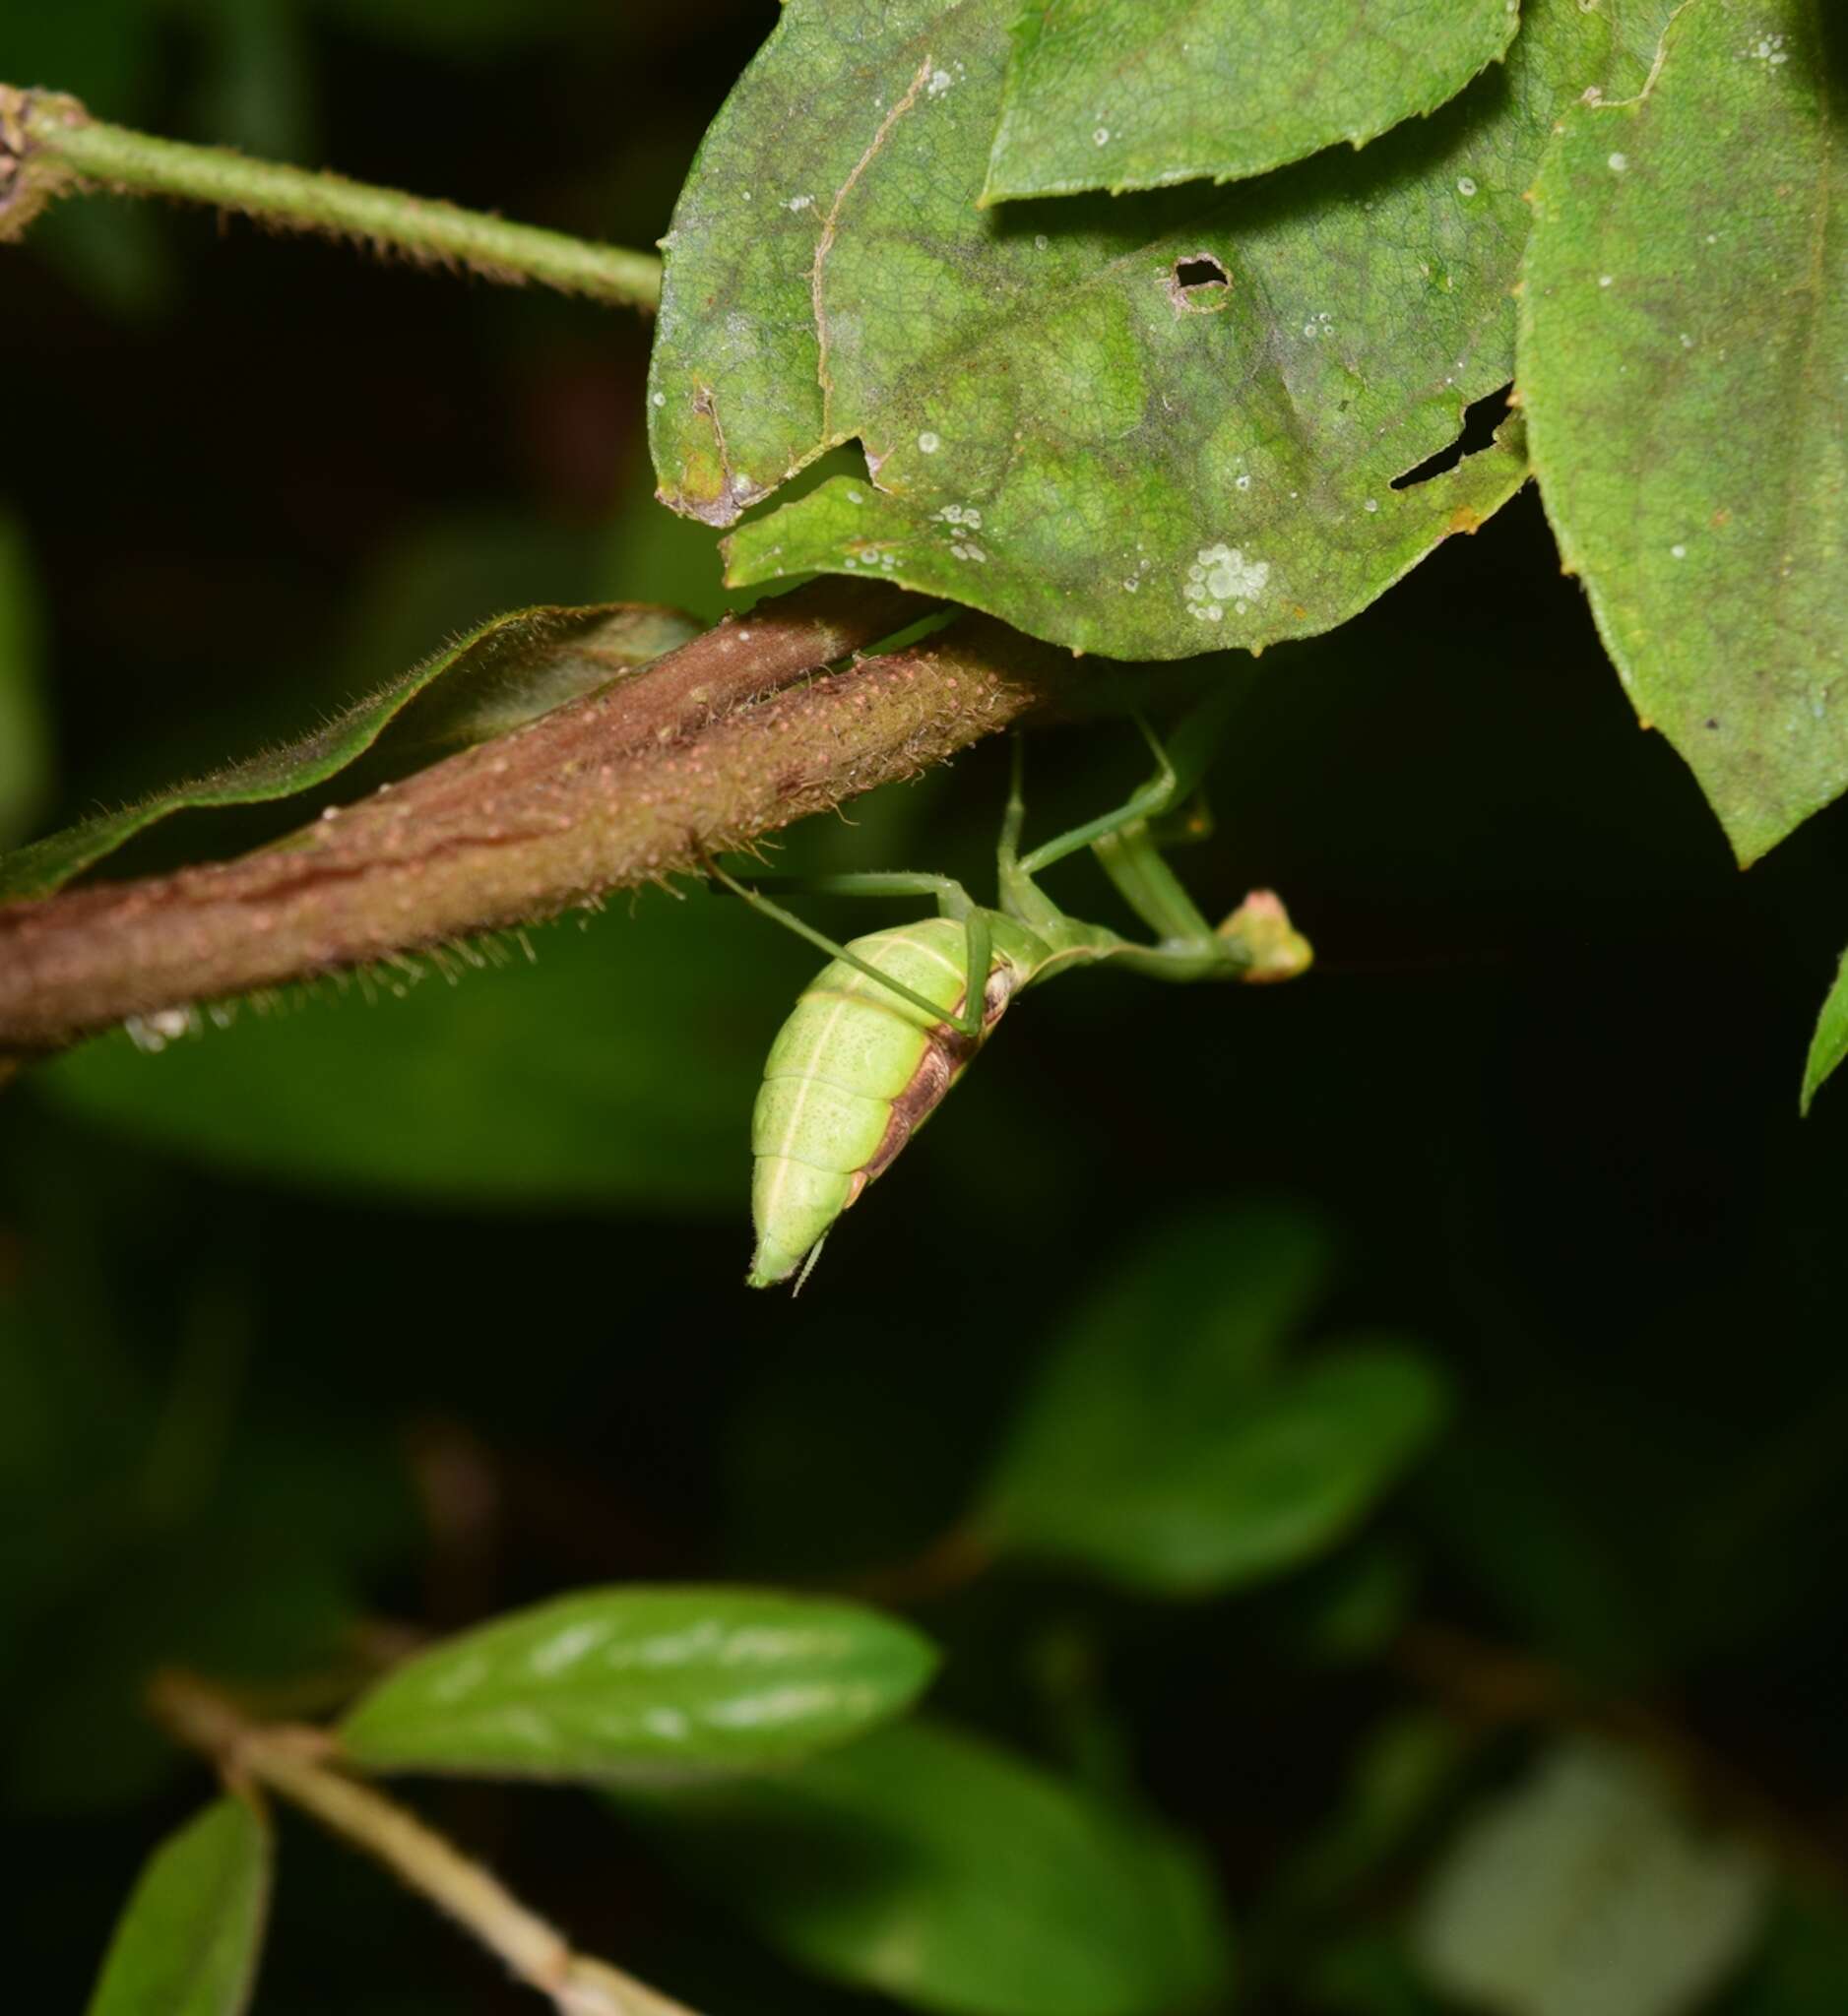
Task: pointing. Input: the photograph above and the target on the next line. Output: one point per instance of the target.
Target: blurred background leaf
(1585, 1891)
(189, 1937)
(1165, 1446)
(25, 715)
(1804, 1963)
(939, 1870)
(606, 1064)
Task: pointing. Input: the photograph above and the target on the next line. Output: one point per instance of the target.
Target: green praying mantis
(883, 1031)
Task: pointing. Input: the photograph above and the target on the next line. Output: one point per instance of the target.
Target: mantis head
(1271, 947)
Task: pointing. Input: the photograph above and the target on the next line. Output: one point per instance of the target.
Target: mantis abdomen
(854, 1072)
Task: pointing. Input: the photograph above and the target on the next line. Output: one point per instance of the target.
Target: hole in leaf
(1480, 417)
(1199, 282)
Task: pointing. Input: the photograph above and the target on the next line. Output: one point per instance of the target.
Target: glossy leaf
(1136, 94)
(1585, 1893)
(1062, 427)
(503, 673)
(1165, 1448)
(1829, 1046)
(1684, 357)
(618, 1067)
(641, 1682)
(188, 1941)
(939, 1870)
(25, 731)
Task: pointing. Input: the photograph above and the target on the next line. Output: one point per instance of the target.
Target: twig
(50, 146)
(293, 1762)
(625, 786)
(951, 1562)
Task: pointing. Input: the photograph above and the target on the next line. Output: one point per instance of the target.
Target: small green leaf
(615, 1068)
(501, 674)
(1585, 1893)
(1164, 1448)
(1060, 425)
(1136, 94)
(619, 1684)
(1683, 353)
(1829, 1046)
(188, 1941)
(938, 1869)
(24, 731)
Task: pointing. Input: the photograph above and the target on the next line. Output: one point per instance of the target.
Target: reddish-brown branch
(700, 753)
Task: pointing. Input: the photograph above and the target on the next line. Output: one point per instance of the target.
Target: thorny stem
(50, 146)
(295, 1762)
(698, 755)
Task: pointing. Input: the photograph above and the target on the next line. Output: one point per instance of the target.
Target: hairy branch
(50, 146)
(704, 752)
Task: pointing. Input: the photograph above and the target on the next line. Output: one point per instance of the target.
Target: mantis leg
(952, 899)
(1179, 769)
(1134, 861)
(1257, 942)
(1149, 802)
(1187, 825)
(1124, 843)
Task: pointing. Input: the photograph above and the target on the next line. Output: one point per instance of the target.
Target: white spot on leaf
(1219, 575)
(570, 1646)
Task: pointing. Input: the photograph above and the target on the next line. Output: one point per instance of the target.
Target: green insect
(886, 1029)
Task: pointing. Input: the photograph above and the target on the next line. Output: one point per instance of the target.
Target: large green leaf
(939, 1870)
(618, 1068)
(25, 731)
(1058, 431)
(1164, 1447)
(1829, 1044)
(641, 1682)
(1136, 94)
(1585, 1893)
(499, 675)
(188, 1941)
(1683, 368)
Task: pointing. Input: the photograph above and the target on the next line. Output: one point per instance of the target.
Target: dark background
(1543, 1080)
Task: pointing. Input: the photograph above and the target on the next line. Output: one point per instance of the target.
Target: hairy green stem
(50, 146)
(707, 750)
